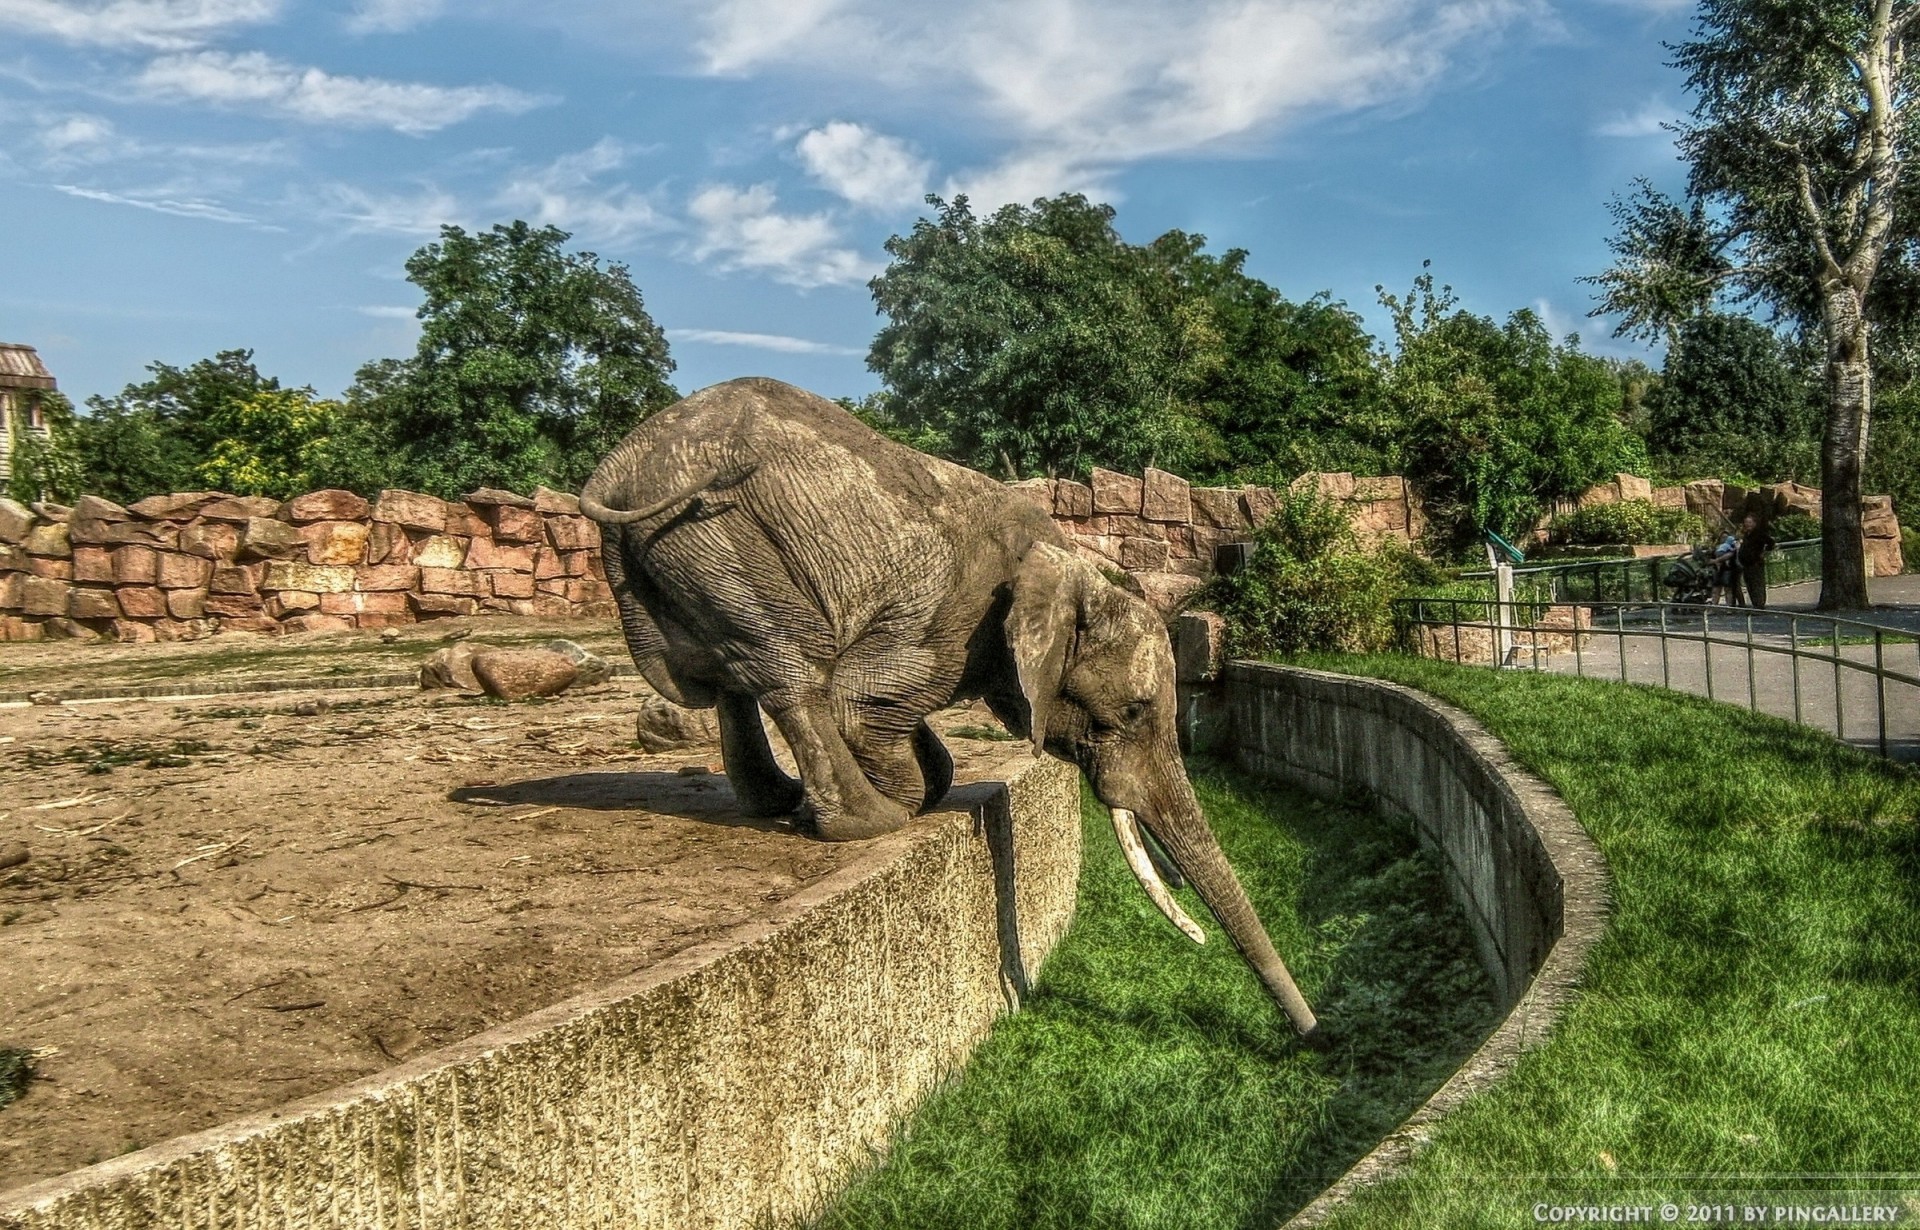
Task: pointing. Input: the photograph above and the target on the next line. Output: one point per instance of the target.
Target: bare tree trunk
(1843, 449)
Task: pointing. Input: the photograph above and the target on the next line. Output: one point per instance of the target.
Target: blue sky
(185, 176)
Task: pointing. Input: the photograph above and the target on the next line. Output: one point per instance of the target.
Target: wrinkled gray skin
(768, 551)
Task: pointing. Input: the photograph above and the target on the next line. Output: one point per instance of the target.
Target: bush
(1310, 585)
(1910, 549)
(1795, 526)
(1629, 521)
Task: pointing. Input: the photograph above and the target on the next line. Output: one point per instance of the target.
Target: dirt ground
(235, 902)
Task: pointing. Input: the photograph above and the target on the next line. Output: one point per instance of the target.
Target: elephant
(771, 553)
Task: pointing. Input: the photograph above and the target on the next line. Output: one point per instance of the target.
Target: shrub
(1910, 549)
(1629, 521)
(1795, 526)
(1310, 585)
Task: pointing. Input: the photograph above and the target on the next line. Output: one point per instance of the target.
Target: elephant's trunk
(1183, 831)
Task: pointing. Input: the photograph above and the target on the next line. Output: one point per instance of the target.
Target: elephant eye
(1132, 714)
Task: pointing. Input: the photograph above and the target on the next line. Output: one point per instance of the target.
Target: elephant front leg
(840, 802)
(759, 783)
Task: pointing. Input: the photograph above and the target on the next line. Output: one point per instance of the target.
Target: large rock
(87, 603)
(265, 538)
(94, 564)
(434, 606)
(317, 621)
(182, 506)
(215, 540)
(509, 584)
(239, 508)
(181, 571)
(520, 525)
(387, 577)
(335, 542)
(53, 540)
(1329, 484)
(1165, 497)
(593, 669)
(555, 503)
(187, 603)
(236, 579)
(449, 668)
(1199, 646)
(15, 520)
(95, 508)
(313, 578)
(412, 510)
(1163, 591)
(1380, 487)
(517, 674)
(389, 544)
(134, 564)
(1114, 492)
(329, 505)
(440, 551)
(47, 566)
(13, 558)
(1038, 491)
(237, 606)
(142, 601)
(484, 553)
(452, 581)
(662, 726)
(45, 596)
(1143, 554)
(1218, 507)
(1071, 499)
(494, 497)
(1261, 504)
(573, 534)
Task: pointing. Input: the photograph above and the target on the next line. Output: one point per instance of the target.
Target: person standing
(1756, 539)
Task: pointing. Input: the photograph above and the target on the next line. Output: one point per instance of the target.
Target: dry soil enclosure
(235, 902)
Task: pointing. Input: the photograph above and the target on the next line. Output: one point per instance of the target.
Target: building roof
(21, 368)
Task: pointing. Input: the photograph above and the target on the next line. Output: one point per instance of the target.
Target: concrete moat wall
(737, 1084)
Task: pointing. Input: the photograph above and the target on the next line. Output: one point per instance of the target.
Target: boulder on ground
(451, 667)
(517, 674)
(662, 726)
(593, 669)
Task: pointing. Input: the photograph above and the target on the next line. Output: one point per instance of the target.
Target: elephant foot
(883, 817)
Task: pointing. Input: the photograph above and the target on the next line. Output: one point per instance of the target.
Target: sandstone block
(487, 554)
(1165, 497)
(1633, 487)
(47, 566)
(13, 558)
(13, 587)
(135, 565)
(1261, 503)
(1219, 507)
(239, 509)
(511, 524)
(439, 606)
(1330, 486)
(1380, 517)
(552, 606)
(45, 596)
(235, 605)
(510, 584)
(382, 602)
(387, 577)
(555, 503)
(1199, 646)
(236, 579)
(181, 506)
(494, 497)
(451, 667)
(142, 601)
(265, 538)
(1382, 487)
(552, 585)
(585, 591)
(283, 574)
(412, 510)
(466, 522)
(1114, 492)
(317, 621)
(215, 540)
(93, 604)
(1670, 497)
(329, 505)
(1038, 491)
(1071, 499)
(94, 508)
(165, 534)
(1884, 558)
(662, 726)
(187, 603)
(388, 544)
(446, 581)
(133, 632)
(335, 542)
(15, 520)
(573, 534)
(440, 551)
(50, 539)
(1143, 554)
(181, 571)
(61, 628)
(582, 564)
(251, 624)
(516, 674)
(1163, 591)
(548, 563)
(593, 669)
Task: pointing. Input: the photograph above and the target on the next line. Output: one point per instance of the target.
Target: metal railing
(1643, 579)
(1774, 647)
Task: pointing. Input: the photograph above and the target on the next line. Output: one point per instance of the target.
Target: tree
(154, 436)
(532, 363)
(1497, 420)
(1733, 402)
(1797, 198)
(1033, 343)
(45, 466)
(281, 442)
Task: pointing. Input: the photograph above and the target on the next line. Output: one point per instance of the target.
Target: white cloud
(761, 341)
(564, 193)
(384, 311)
(1649, 121)
(741, 230)
(76, 132)
(160, 24)
(253, 79)
(1029, 173)
(392, 16)
(1086, 86)
(161, 203)
(420, 213)
(865, 167)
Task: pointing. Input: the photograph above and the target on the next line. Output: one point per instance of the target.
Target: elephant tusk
(1127, 829)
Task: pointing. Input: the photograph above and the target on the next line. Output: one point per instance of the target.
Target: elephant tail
(595, 507)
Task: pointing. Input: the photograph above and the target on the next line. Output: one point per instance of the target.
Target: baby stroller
(1690, 578)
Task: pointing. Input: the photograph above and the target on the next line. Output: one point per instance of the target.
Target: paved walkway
(1747, 658)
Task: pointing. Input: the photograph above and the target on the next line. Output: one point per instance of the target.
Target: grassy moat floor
(1150, 1083)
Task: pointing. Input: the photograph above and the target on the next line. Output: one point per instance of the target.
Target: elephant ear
(1041, 625)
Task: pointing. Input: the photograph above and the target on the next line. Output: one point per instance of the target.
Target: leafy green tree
(281, 442)
(1032, 342)
(154, 436)
(1733, 403)
(1497, 420)
(532, 363)
(1797, 197)
(45, 466)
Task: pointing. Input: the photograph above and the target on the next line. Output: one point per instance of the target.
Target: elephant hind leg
(758, 781)
(936, 765)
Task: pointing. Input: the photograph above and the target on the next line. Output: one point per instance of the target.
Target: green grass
(1150, 1083)
(1755, 1006)
(16, 1071)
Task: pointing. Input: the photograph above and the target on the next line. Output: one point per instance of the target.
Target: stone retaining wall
(176, 567)
(738, 1084)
